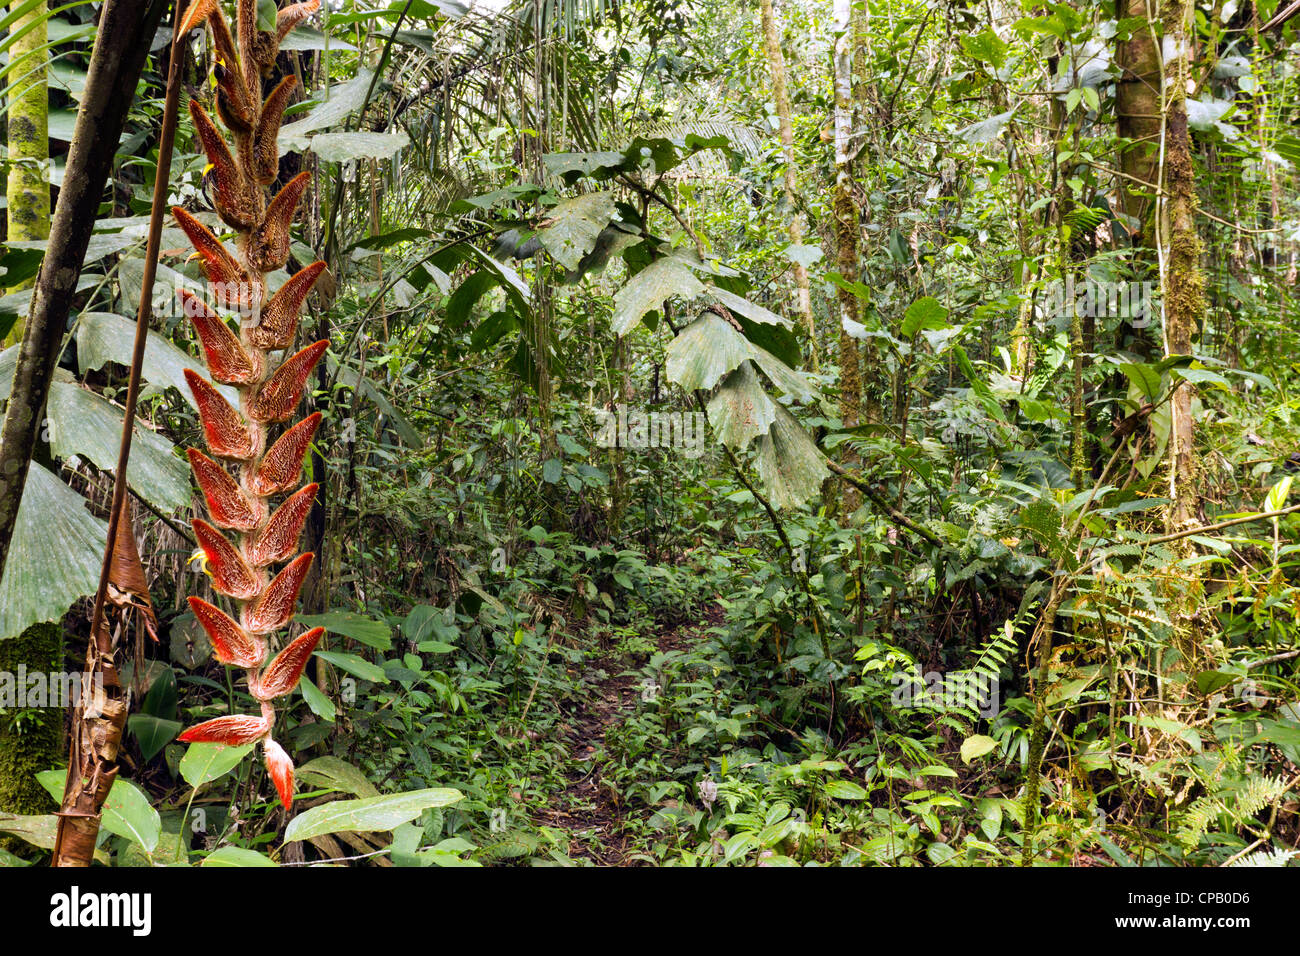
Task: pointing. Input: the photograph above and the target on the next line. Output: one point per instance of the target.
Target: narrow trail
(589, 808)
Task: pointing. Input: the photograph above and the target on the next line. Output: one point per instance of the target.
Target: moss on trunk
(28, 187)
(30, 737)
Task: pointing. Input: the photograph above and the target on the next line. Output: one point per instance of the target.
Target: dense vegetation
(751, 434)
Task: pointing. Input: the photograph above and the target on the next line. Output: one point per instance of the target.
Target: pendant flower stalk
(247, 535)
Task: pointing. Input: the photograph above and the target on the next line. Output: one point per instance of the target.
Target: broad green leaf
(354, 665)
(705, 351)
(985, 131)
(42, 581)
(368, 814)
(342, 147)
(368, 631)
(336, 774)
(805, 255)
(925, 313)
(647, 290)
(1145, 378)
(39, 830)
(344, 99)
(790, 465)
(575, 165)
(1203, 376)
(153, 733)
(575, 225)
(204, 763)
(750, 310)
(237, 855)
(82, 423)
(126, 811)
(741, 411)
(845, 790)
(552, 469)
(1277, 495)
(319, 704)
(986, 47)
(976, 746)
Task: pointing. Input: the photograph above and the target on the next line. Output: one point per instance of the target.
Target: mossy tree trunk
(30, 738)
(846, 239)
(1138, 122)
(28, 188)
(781, 94)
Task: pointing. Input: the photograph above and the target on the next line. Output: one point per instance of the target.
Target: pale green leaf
(368, 814)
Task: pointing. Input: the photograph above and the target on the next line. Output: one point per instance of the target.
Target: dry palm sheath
(246, 538)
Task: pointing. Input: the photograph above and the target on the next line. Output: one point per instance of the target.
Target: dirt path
(588, 808)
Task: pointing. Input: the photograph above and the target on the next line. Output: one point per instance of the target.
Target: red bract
(234, 731)
(230, 643)
(228, 436)
(283, 673)
(234, 286)
(277, 399)
(273, 608)
(279, 539)
(227, 503)
(238, 500)
(266, 153)
(231, 575)
(280, 317)
(232, 198)
(280, 767)
(282, 463)
(268, 248)
(228, 362)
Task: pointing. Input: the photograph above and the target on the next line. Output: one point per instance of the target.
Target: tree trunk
(781, 93)
(846, 239)
(1184, 284)
(27, 214)
(31, 744)
(1138, 122)
(30, 739)
(115, 67)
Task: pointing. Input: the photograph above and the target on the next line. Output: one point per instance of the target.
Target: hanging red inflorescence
(248, 535)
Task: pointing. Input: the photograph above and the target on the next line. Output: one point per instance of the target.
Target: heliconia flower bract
(249, 534)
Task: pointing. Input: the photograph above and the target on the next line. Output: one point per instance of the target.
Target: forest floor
(589, 809)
